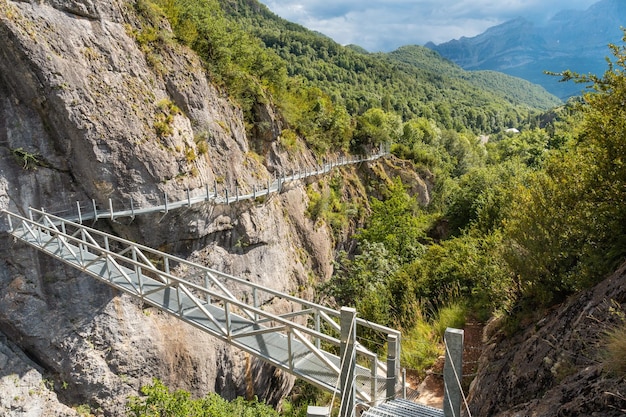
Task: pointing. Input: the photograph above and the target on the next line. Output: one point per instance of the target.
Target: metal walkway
(402, 408)
(305, 342)
(208, 194)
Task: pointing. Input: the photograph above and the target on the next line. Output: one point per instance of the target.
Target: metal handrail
(135, 257)
(240, 281)
(81, 212)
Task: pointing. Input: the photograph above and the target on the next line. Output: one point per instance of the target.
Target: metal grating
(402, 408)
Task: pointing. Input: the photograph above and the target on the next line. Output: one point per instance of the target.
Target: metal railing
(214, 193)
(304, 341)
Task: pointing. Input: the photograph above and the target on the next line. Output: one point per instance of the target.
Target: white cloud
(387, 24)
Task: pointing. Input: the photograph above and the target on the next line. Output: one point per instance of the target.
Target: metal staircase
(305, 342)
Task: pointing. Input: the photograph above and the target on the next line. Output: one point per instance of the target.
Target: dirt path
(430, 388)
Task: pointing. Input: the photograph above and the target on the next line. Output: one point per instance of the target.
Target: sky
(384, 25)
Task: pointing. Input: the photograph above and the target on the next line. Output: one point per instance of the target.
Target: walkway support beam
(347, 354)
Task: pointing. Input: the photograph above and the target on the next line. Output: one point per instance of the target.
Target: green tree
(481, 197)
(467, 268)
(361, 282)
(529, 146)
(398, 223)
(567, 229)
(420, 130)
(376, 126)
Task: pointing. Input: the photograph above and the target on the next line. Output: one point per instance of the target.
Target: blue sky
(385, 25)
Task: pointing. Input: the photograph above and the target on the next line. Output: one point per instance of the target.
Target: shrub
(289, 140)
(158, 400)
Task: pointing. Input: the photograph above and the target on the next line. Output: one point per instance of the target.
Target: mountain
(517, 90)
(413, 81)
(574, 40)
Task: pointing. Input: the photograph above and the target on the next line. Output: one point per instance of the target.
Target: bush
(159, 401)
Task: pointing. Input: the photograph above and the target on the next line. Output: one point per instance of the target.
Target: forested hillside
(412, 82)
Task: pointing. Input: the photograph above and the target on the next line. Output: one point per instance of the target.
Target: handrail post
(348, 361)
(206, 286)
(290, 348)
(452, 372)
(255, 301)
(317, 328)
(80, 217)
(10, 222)
(166, 268)
(227, 318)
(404, 383)
(374, 379)
(392, 365)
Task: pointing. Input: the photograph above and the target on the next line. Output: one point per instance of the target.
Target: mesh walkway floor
(402, 408)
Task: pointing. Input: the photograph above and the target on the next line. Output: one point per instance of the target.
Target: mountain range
(570, 40)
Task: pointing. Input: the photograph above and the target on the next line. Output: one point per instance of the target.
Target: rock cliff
(553, 366)
(85, 116)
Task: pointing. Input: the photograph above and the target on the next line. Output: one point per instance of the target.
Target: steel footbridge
(307, 341)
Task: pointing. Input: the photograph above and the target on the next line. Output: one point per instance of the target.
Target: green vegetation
(515, 90)
(514, 226)
(164, 119)
(333, 97)
(411, 82)
(614, 358)
(159, 401)
(27, 159)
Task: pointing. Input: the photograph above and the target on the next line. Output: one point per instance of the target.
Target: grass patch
(614, 358)
(420, 347)
(450, 316)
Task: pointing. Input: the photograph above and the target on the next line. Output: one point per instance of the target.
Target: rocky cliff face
(553, 367)
(84, 116)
